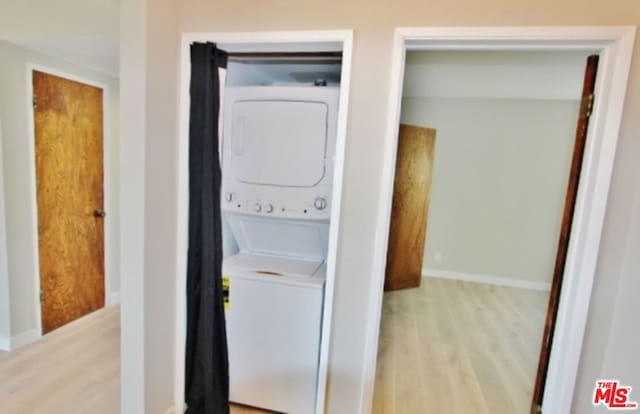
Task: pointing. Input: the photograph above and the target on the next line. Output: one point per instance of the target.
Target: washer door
(273, 332)
(279, 143)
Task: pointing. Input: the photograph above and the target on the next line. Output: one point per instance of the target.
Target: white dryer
(277, 157)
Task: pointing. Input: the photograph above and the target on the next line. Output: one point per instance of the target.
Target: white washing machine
(273, 329)
(277, 157)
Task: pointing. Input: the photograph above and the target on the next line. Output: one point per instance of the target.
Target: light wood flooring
(446, 347)
(459, 348)
(74, 369)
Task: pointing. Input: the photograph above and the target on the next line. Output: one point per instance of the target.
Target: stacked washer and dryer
(277, 157)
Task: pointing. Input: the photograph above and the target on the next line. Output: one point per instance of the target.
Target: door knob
(99, 213)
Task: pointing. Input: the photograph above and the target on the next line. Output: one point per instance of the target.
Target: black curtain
(206, 359)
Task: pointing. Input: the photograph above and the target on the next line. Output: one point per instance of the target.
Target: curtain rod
(317, 57)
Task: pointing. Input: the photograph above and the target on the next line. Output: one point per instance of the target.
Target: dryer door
(279, 143)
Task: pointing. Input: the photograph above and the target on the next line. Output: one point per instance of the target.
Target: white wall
(374, 24)
(19, 175)
(133, 124)
(611, 342)
(499, 179)
(41, 19)
(621, 361)
(160, 206)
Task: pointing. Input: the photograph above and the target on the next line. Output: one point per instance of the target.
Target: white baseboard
(24, 338)
(5, 343)
(170, 410)
(114, 298)
(488, 279)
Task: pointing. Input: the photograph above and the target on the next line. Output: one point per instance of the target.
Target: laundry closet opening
(281, 147)
(278, 145)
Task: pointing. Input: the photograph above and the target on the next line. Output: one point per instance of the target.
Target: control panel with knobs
(320, 203)
(295, 208)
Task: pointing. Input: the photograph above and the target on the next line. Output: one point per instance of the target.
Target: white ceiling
(100, 53)
(84, 32)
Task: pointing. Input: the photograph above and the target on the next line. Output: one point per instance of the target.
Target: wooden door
(565, 230)
(408, 229)
(69, 176)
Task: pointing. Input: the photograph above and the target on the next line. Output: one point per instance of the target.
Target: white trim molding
(487, 279)
(114, 298)
(24, 338)
(314, 40)
(5, 296)
(109, 271)
(615, 45)
(5, 344)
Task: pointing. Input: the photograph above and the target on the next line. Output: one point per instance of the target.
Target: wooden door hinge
(35, 102)
(586, 106)
(41, 295)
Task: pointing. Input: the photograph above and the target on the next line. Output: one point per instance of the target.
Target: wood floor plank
(436, 388)
(458, 347)
(74, 369)
(385, 374)
(482, 349)
(462, 377)
(406, 348)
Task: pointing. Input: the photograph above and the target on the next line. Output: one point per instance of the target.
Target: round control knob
(229, 196)
(269, 208)
(320, 203)
(257, 208)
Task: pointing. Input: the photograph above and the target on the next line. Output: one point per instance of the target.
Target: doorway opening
(60, 164)
(283, 122)
(573, 302)
(497, 130)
